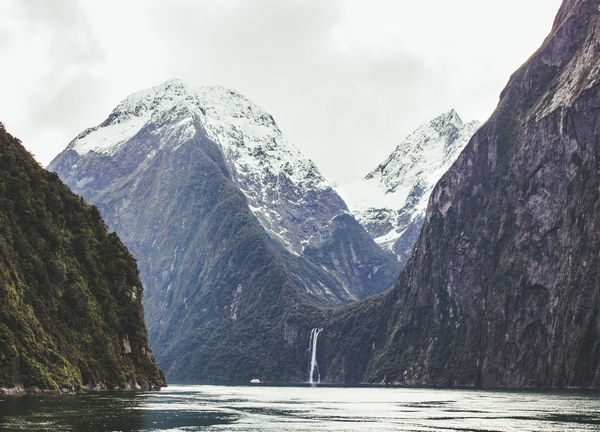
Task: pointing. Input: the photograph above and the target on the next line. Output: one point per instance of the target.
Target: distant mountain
(71, 314)
(293, 203)
(192, 177)
(390, 201)
(502, 287)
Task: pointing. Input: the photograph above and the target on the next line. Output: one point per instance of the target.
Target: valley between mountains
(469, 257)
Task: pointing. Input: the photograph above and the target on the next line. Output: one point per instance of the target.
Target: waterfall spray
(314, 335)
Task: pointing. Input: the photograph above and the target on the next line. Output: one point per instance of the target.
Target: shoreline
(20, 390)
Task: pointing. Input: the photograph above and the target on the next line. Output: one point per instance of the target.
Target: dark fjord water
(304, 408)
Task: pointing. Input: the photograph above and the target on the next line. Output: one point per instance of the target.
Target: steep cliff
(503, 287)
(71, 312)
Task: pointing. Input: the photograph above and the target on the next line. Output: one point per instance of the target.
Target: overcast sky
(346, 80)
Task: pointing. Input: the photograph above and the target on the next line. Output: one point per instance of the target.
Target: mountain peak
(390, 201)
(428, 144)
(449, 116)
(261, 161)
(129, 116)
(167, 93)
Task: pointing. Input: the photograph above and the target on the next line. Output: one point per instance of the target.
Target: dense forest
(71, 314)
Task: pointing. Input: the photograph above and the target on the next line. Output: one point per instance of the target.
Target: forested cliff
(71, 314)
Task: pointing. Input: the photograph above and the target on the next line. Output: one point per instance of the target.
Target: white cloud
(345, 79)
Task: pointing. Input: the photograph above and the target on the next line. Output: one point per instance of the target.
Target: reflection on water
(304, 408)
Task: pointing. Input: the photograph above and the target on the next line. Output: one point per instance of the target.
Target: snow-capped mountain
(390, 201)
(285, 190)
(146, 134)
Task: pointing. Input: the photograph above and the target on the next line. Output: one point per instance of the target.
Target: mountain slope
(71, 313)
(215, 290)
(502, 286)
(391, 200)
(232, 227)
(293, 203)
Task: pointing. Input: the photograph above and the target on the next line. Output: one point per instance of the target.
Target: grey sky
(346, 80)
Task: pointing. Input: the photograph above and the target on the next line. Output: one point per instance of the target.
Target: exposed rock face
(503, 286)
(390, 202)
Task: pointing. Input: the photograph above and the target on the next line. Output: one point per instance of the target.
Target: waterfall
(314, 335)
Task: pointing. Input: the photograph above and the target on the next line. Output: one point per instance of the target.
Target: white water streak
(314, 336)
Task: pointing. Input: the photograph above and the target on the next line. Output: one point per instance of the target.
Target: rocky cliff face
(391, 200)
(502, 288)
(71, 314)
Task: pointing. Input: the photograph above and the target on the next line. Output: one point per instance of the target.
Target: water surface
(304, 408)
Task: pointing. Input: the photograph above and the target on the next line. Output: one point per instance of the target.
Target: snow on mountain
(285, 190)
(391, 200)
(142, 167)
(130, 116)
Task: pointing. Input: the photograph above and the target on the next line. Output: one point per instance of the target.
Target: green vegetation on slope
(71, 310)
(215, 303)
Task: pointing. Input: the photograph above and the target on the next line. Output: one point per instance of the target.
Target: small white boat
(255, 381)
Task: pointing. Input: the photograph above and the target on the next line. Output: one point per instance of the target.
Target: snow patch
(109, 138)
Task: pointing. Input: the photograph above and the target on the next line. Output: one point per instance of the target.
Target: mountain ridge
(285, 191)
